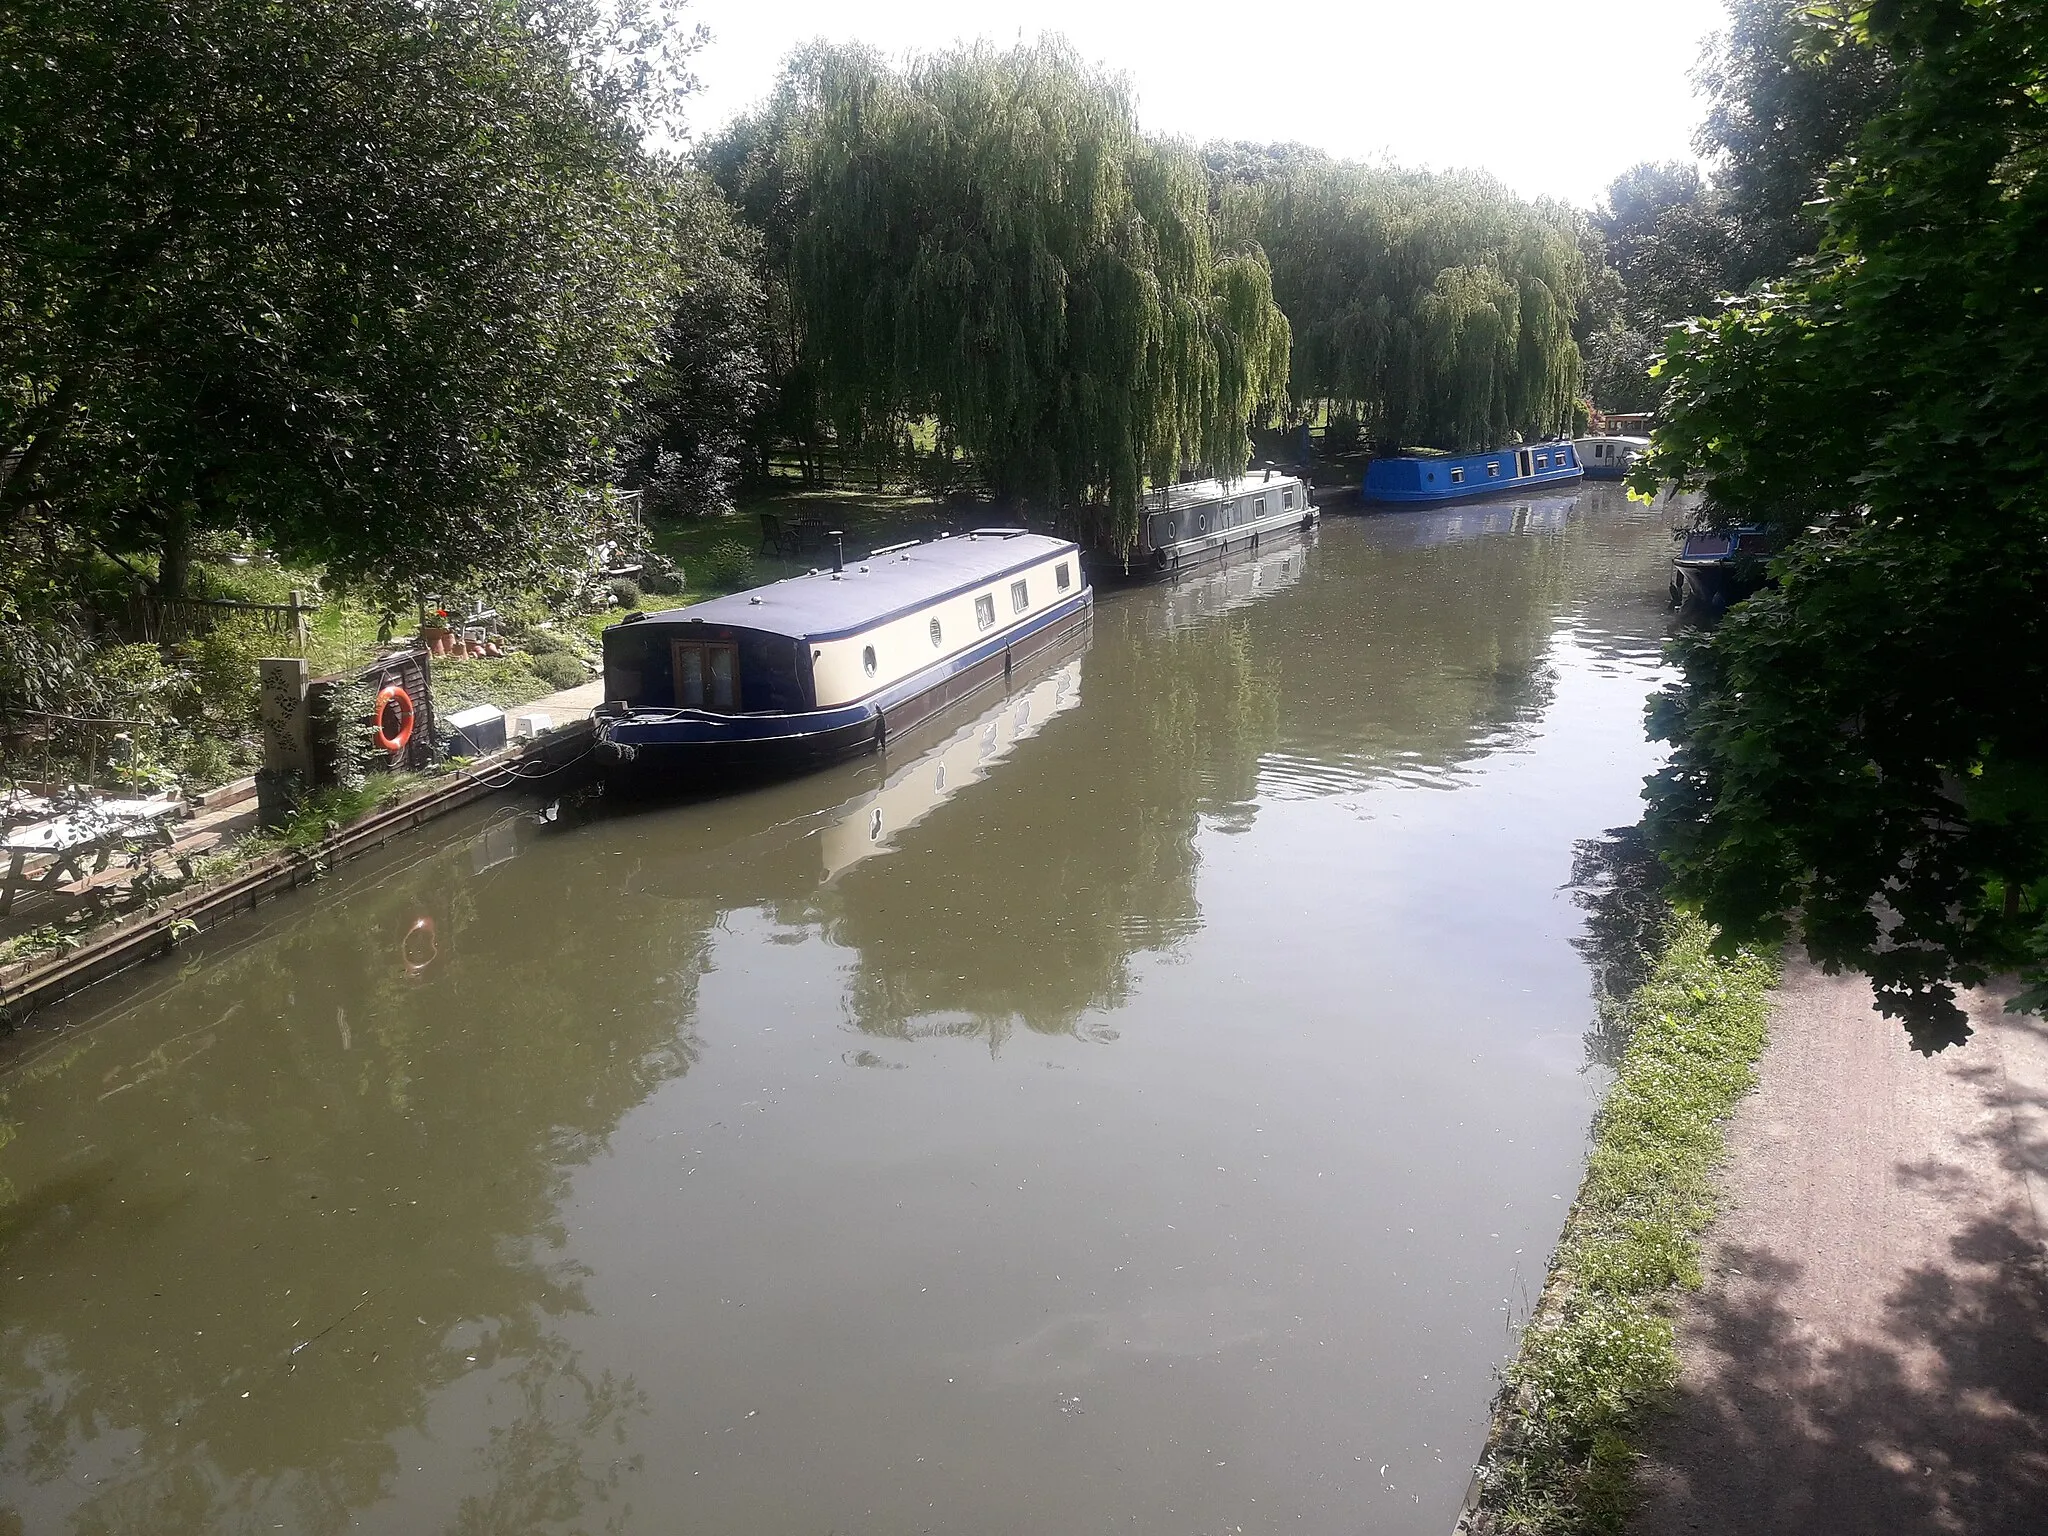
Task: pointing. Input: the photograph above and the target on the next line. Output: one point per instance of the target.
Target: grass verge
(1600, 1355)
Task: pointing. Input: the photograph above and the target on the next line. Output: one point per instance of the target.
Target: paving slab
(1870, 1350)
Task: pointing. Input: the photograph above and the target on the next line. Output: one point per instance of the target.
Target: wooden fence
(166, 620)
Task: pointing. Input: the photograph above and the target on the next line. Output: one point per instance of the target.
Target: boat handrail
(890, 549)
(996, 533)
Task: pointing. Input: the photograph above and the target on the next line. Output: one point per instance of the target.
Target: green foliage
(625, 593)
(710, 377)
(502, 681)
(1600, 1353)
(367, 277)
(1435, 310)
(1866, 745)
(729, 565)
(559, 671)
(1790, 88)
(984, 237)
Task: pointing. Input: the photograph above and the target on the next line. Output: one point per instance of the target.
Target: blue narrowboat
(1412, 478)
(1717, 567)
(830, 664)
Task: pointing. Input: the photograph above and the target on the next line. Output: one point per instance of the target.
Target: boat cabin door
(1522, 465)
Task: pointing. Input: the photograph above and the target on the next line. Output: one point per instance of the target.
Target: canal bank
(1859, 1338)
(549, 760)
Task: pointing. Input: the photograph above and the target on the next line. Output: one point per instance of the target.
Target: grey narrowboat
(1181, 527)
(826, 665)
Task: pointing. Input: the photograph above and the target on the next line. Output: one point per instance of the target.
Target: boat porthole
(867, 660)
(1201, 522)
(935, 631)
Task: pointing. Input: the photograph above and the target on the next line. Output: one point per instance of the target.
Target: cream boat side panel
(903, 647)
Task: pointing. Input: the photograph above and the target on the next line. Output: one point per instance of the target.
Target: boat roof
(884, 585)
(1195, 493)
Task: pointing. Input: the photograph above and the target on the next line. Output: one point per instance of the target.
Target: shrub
(547, 642)
(558, 669)
(729, 564)
(662, 578)
(626, 593)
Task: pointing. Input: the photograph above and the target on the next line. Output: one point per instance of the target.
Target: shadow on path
(1870, 1351)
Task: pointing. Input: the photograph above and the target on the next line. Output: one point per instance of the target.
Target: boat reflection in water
(1538, 514)
(1244, 580)
(870, 823)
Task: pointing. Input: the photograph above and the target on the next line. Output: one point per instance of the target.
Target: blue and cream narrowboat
(1609, 458)
(826, 665)
(1411, 478)
(1181, 527)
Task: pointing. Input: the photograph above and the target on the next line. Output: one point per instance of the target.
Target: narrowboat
(1609, 458)
(1410, 478)
(1720, 567)
(830, 664)
(1184, 526)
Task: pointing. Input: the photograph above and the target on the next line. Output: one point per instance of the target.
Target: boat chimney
(838, 538)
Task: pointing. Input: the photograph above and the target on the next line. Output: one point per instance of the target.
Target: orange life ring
(394, 741)
(410, 955)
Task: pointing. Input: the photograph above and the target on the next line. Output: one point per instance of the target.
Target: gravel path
(1870, 1351)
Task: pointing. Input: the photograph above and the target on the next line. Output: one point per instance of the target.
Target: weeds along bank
(1600, 1356)
(97, 689)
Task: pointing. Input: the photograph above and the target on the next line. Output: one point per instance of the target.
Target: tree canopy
(367, 278)
(1864, 747)
(1436, 309)
(983, 236)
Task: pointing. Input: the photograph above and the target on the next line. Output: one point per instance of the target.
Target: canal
(1147, 1108)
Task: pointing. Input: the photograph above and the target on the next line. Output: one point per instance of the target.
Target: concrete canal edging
(540, 762)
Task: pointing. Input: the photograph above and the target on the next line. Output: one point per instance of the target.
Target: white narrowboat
(829, 664)
(1609, 458)
(1187, 525)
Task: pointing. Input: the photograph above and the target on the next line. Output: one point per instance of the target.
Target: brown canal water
(1146, 1109)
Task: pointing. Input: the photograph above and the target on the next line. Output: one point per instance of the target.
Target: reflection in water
(534, 1178)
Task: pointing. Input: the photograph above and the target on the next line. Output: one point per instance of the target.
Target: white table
(100, 828)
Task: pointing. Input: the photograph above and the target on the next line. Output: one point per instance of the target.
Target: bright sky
(1553, 96)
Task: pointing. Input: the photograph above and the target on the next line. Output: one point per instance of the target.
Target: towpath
(1870, 1350)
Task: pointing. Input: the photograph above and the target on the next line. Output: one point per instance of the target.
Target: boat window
(937, 634)
(1457, 477)
(867, 660)
(706, 675)
(1020, 597)
(1259, 508)
(1201, 522)
(1493, 470)
(1542, 460)
(985, 611)
(1287, 501)
(1062, 577)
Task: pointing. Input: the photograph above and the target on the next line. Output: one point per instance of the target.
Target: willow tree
(985, 238)
(1436, 309)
